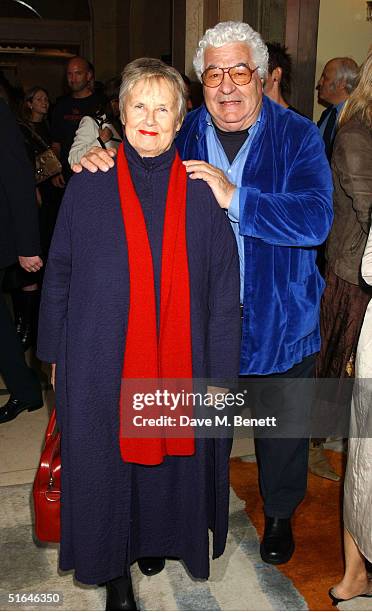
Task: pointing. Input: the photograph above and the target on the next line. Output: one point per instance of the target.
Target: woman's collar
(159, 162)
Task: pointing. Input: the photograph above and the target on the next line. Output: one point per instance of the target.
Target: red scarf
(146, 355)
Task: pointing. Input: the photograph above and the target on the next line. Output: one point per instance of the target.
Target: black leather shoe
(120, 594)
(14, 407)
(151, 565)
(277, 545)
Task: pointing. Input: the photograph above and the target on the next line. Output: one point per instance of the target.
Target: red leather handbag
(47, 486)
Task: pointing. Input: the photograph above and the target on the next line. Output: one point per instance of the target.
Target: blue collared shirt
(322, 128)
(217, 157)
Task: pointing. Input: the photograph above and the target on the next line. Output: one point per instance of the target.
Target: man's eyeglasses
(240, 75)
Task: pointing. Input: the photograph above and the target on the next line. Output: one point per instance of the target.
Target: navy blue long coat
(114, 513)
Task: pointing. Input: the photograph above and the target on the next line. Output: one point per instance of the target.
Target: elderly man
(267, 168)
(334, 87)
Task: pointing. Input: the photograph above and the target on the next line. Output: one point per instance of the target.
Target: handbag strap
(51, 450)
(35, 134)
(51, 425)
(99, 121)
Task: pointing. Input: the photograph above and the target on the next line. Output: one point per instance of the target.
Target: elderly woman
(142, 280)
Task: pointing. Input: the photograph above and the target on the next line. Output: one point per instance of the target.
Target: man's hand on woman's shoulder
(96, 159)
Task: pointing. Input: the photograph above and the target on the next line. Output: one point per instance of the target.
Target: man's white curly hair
(229, 32)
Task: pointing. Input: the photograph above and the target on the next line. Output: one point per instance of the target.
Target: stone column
(194, 31)
(202, 14)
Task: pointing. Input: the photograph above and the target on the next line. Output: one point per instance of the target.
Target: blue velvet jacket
(285, 212)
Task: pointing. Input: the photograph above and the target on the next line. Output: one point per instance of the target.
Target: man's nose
(227, 85)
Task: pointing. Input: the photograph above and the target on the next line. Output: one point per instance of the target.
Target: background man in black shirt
(70, 109)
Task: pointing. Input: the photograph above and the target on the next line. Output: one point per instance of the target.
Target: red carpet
(317, 562)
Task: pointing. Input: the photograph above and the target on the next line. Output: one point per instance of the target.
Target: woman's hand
(58, 181)
(222, 189)
(53, 376)
(96, 159)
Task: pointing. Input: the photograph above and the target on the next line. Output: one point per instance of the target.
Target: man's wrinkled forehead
(230, 54)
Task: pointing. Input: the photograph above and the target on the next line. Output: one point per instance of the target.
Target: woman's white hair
(227, 32)
(148, 69)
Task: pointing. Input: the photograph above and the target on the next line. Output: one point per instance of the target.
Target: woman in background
(26, 291)
(35, 114)
(346, 295)
(352, 163)
(358, 480)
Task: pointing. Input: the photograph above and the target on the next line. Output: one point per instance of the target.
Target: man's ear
(277, 74)
(340, 85)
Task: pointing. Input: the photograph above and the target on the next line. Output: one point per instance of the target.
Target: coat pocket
(304, 306)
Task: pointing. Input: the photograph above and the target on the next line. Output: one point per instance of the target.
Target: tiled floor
(21, 439)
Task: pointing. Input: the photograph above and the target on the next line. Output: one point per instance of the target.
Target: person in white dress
(358, 479)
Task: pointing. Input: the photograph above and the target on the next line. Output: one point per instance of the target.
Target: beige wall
(343, 31)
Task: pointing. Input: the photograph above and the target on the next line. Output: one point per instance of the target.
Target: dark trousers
(20, 380)
(283, 461)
